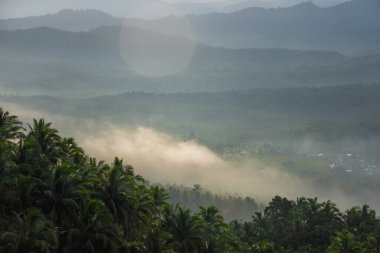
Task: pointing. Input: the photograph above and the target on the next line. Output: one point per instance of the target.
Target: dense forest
(191, 126)
(54, 198)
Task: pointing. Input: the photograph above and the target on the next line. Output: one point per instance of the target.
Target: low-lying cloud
(161, 158)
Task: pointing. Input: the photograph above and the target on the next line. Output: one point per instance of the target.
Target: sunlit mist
(152, 54)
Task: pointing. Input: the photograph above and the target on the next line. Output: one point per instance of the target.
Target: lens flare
(155, 48)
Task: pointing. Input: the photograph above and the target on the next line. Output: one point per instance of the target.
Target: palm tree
(278, 210)
(373, 240)
(260, 223)
(7, 152)
(31, 232)
(94, 232)
(117, 191)
(46, 139)
(92, 173)
(10, 127)
(360, 221)
(278, 214)
(331, 221)
(159, 198)
(263, 247)
(142, 212)
(72, 152)
(155, 237)
(344, 242)
(16, 192)
(10, 130)
(211, 216)
(184, 228)
(60, 195)
(214, 230)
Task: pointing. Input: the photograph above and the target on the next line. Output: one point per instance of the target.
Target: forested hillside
(326, 114)
(67, 20)
(351, 27)
(61, 63)
(229, 126)
(54, 198)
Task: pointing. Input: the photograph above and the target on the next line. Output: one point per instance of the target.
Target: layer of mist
(161, 158)
(251, 102)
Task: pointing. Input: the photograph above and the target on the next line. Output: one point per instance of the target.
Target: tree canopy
(55, 198)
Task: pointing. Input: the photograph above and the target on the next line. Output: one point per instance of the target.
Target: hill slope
(68, 20)
(56, 62)
(351, 27)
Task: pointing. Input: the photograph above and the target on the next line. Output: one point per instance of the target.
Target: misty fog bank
(161, 158)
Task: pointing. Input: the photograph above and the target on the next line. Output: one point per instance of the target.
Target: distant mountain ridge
(132, 8)
(90, 63)
(352, 27)
(68, 20)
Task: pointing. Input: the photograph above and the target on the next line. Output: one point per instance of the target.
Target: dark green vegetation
(300, 101)
(54, 198)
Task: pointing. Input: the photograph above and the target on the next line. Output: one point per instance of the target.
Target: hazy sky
(121, 8)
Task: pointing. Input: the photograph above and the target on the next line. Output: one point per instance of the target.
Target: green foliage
(54, 198)
(344, 242)
(10, 126)
(29, 232)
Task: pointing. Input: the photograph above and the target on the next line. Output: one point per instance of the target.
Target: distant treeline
(231, 207)
(327, 115)
(82, 64)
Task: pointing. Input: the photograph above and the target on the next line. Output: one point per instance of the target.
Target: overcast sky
(120, 8)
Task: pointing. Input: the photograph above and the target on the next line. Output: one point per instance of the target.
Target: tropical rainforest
(215, 126)
(55, 198)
